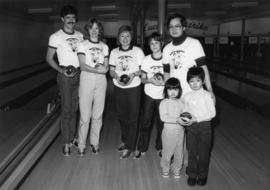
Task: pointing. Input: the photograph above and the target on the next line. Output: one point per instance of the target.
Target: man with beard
(64, 43)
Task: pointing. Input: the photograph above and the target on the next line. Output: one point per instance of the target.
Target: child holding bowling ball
(200, 104)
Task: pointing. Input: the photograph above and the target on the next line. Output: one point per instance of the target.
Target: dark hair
(68, 9)
(124, 28)
(182, 18)
(172, 83)
(155, 36)
(195, 72)
(89, 25)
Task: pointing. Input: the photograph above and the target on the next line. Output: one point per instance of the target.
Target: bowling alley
(134, 94)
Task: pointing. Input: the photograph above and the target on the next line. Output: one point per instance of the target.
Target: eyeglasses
(176, 26)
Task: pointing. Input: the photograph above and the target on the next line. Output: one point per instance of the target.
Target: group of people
(173, 79)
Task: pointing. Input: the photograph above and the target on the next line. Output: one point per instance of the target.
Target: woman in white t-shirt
(125, 62)
(93, 58)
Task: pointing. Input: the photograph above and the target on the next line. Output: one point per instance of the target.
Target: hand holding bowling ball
(124, 78)
(70, 69)
(98, 65)
(185, 116)
(159, 76)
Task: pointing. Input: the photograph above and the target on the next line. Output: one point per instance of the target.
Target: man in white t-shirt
(64, 43)
(182, 53)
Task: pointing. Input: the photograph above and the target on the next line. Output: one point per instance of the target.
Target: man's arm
(207, 78)
(49, 58)
(207, 81)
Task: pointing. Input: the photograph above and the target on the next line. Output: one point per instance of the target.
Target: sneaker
(66, 150)
(81, 152)
(159, 153)
(95, 149)
(74, 142)
(138, 154)
(126, 153)
(176, 175)
(165, 174)
(191, 181)
(201, 181)
(121, 147)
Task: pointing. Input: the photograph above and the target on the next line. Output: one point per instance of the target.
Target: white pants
(92, 92)
(172, 143)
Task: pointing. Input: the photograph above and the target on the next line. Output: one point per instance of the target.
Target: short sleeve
(197, 49)
(144, 65)
(105, 50)
(112, 58)
(53, 41)
(81, 49)
(165, 56)
(140, 57)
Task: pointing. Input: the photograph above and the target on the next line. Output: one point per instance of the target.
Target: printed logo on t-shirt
(177, 59)
(124, 62)
(156, 69)
(96, 56)
(73, 44)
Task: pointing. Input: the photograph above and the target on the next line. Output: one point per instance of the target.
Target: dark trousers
(68, 88)
(127, 108)
(150, 117)
(199, 137)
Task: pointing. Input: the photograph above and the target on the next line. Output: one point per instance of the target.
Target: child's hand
(181, 122)
(192, 120)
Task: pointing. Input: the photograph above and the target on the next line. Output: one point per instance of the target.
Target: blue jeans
(68, 88)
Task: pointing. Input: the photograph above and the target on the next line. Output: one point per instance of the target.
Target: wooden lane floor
(240, 160)
(15, 124)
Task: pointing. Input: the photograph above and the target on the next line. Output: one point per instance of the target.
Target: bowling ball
(70, 69)
(185, 116)
(159, 76)
(124, 78)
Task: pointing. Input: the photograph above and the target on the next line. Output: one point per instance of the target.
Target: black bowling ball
(124, 78)
(185, 116)
(70, 69)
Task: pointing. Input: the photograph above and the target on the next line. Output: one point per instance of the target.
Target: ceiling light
(39, 10)
(245, 4)
(209, 13)
(103, 8)
(179, 5)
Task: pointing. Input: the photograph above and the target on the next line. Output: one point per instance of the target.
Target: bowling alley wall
(22, 42)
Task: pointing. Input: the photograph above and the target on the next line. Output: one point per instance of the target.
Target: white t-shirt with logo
(181, 58)
(94, 52)
(66, 46)
(152, 66)
(127, 62)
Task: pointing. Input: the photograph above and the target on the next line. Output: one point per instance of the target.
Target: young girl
(173, 133)
(93, 58)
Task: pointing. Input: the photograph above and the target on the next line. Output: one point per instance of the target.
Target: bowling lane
(240, 159)
(24, 86)
(256, 95)
(15, 124)
(23, 71)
